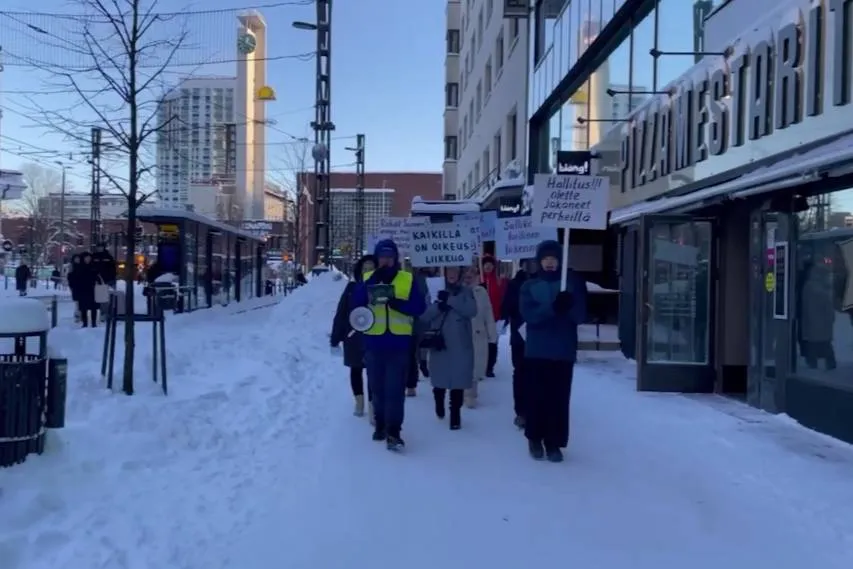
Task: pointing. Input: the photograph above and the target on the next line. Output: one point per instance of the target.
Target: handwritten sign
(488, 222)
(516, 238)
(571, 201)
(472, 220)
(399, 230)
(442, 245)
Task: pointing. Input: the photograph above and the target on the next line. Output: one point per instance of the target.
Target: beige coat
(484, 331)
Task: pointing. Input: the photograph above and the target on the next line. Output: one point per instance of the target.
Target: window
(474, 43)
(499, 51)
(461, 138)
(451, 150)
(451, 95)
(477, 173)
(486, 156)
(490, 9)
(471, 122)
(465, 130)
(453, 45)
(513, 29)
(512, 135)
(487, 77)
(479, 97)
(496, 150)
(480, 23)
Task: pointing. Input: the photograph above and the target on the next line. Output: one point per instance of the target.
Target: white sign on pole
(471, 220)
(516, 238)
(571, 201)
(399, 230)
(442, 245)
(488, 222)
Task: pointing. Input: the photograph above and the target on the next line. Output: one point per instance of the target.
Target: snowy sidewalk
(651, 481)
(151, 482)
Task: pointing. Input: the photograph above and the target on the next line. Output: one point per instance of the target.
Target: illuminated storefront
(731, 197)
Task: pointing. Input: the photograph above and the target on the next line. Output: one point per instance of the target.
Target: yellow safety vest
(388, 320)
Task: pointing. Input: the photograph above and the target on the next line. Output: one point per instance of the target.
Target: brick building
(386, 194)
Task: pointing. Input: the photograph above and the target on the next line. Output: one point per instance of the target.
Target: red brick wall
(407, 185)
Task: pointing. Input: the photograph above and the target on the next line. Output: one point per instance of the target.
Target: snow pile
(20, 315)
(154, 481)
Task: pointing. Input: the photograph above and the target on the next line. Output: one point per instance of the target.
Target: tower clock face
(246, 43)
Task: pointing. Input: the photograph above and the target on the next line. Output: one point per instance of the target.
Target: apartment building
(490, 94)
(78, 205)
(451, 98)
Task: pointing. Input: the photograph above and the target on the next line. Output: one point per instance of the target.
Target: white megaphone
(361, 319)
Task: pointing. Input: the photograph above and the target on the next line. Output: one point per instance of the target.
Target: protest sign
(399, 230)
(442, 245)
(516, 238)
(488, 221)
(472, 220)
(571, 201)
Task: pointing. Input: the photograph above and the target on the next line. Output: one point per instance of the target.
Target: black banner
(574, 162)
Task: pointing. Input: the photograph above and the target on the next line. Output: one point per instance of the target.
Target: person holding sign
(395, 302)
(449, 337)
(551, 317)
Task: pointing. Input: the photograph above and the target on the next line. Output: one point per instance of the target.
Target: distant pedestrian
(22, 278)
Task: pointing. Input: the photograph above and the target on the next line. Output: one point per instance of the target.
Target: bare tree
(35, 206)
(295, 161)
(125, 48)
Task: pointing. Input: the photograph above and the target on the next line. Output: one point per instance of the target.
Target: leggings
(356, 381)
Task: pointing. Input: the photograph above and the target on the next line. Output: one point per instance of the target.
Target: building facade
(277, 204)
(78, 205)
(344, 203)
(388, 193)
(492, 95)
(194, 153)
(730, 198)
(453, 14)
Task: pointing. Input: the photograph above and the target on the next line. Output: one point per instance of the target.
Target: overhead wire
(210, 11)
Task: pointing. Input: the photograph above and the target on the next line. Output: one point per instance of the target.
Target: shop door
(676, 313)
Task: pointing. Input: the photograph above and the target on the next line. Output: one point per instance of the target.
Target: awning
(791, 171)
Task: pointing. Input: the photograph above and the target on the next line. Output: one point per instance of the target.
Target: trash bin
(28, 393)
(166, 293)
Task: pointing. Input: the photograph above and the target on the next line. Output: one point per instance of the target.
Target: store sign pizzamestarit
(766, 87)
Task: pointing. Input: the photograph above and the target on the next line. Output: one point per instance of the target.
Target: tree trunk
(129, 308)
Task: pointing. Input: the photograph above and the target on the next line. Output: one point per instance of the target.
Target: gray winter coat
(453, 368)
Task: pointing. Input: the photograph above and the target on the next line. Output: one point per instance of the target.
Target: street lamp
(323, 127)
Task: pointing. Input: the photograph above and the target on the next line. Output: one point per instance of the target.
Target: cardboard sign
(399, 230)
(571, 201)
(488, 222)
(516, 238)
(442, 245)
(472, 220)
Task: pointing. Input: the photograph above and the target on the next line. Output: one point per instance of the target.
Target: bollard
(57, 389)
(54, 312)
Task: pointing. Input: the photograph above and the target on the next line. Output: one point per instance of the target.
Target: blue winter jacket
(552, 336)
(414, 306)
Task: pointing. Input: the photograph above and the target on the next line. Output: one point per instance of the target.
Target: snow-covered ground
(255, 462)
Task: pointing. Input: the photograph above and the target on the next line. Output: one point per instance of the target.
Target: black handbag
(433, 339)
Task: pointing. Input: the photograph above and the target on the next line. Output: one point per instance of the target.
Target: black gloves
(443, 295)
(334, 344)
(422, 365)
(443, 306)
(563, 302)
(396, 304)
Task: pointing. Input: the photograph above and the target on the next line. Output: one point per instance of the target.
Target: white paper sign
(516, 238)
(572, 202)
(473, 221)
(435, 285)
(399, 229)
(442, 245)
(488, 222)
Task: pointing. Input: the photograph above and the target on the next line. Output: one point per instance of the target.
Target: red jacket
(496, 287)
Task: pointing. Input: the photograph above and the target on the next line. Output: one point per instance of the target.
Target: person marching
(395, 301)
(484, 330)
(512, 317)
(496, 287)
(450, 341)
(552, 317)
(342, 332)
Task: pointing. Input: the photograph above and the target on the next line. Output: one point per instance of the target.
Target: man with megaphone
(394, 300)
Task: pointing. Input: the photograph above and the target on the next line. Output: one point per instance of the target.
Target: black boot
(393, 441)
(457, 396)
(438, 395)
(554, 454)
(379, 433)
(537, 451)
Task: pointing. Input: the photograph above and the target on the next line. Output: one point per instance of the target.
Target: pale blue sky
(387, 78)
